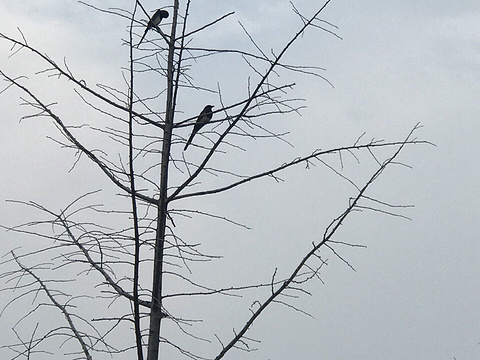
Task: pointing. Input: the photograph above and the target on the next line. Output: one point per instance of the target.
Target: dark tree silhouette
(121, 278)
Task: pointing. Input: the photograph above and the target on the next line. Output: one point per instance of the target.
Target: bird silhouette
(204, 117)
(154, 22)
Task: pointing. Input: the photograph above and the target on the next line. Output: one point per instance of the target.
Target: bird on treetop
(204, 117)
(154, 22)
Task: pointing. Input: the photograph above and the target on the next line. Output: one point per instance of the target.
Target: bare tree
(129, 261)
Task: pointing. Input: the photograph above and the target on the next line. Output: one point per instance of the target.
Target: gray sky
(415, 293)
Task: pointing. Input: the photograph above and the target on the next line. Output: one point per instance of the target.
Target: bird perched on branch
(204, 117)
(154, 21)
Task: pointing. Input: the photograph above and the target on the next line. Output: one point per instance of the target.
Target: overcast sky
(415, 293)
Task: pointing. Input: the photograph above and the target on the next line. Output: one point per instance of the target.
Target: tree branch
(329, 232)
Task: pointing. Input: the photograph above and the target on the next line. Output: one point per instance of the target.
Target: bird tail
(189, 141)
(143, 37)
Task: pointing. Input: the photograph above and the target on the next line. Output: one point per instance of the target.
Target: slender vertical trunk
(156, 311)
(136, 263)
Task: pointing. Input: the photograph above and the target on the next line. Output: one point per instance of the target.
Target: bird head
(164, 14)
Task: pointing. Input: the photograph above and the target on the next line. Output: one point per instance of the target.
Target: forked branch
(62, 308)
(329, 233)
